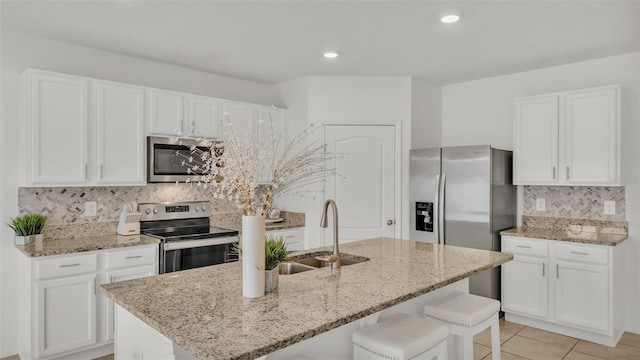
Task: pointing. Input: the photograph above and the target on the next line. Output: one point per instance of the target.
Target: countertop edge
(556, 235)
(146, 240)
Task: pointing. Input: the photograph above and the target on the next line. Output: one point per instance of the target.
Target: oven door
(190, 254)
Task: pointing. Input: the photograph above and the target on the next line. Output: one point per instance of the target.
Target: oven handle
(168, 246)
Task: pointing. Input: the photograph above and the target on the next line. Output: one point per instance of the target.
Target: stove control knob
(148, 211)
(155, 210)
(204, 207)
(198, 208)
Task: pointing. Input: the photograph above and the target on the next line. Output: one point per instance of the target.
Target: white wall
(480, 112)
(20, 52)
(426, 114)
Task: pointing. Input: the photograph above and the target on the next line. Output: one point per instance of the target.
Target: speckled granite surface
(598, 232)
(79, 230)
(233, 221)
(219, 323)
(79, 244)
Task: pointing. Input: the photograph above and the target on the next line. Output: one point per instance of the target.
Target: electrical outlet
(90, 208)
(609, 207)
(540, 205)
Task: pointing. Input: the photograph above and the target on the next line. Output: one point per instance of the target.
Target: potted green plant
(275, 252)
(28, 228)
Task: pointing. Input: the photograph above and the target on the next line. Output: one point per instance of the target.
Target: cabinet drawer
(66, 266)
(293, 238)
(584, 254)
(525, 247)
(130, 257)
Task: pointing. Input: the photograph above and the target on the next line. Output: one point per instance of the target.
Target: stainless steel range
(187, 239)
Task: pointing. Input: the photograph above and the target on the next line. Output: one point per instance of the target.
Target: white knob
(204, 207)
(155, 211)
(148, 211)
(197, 207)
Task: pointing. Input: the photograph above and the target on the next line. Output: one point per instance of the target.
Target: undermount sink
(310, 263)
(289, 268)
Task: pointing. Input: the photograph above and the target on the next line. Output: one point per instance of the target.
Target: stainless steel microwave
(165, 156)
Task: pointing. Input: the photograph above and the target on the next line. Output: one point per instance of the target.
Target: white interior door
(364, 190)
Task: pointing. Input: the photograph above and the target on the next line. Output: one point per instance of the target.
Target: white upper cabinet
(83, 131)
(120, 135)
(204, 117)
(272, 135)
(59, 118)
(536, 140)
(568, 138)
(592, 135)
(166, 112)
(243, 119)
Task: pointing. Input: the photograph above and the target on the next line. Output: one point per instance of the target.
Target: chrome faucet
(334, 259)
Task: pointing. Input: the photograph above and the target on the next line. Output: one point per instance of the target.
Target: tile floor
(522, 342)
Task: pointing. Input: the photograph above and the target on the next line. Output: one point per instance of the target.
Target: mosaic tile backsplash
(66, 205)
(576, 202)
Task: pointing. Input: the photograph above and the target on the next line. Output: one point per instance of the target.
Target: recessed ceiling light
(450, 18)
(330, 54)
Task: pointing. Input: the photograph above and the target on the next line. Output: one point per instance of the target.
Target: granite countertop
(577, 236)
(219, 323)
(87, 243)
(233, 221)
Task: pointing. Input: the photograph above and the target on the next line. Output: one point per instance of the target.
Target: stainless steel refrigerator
(463, 196)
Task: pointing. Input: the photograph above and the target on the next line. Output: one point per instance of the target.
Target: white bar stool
(467, 315)
(401, 337)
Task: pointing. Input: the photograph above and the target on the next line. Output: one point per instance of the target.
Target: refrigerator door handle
(441, 202)
(436, 210)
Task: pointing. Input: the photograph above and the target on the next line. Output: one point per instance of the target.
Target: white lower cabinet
(571, 289)
(525, 286)
(294, 238)
(61, 309)
(67, 314)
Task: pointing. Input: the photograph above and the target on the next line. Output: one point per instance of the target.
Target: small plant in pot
(275, 252)
(28, 228)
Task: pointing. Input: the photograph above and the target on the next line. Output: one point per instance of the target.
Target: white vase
(253, 256)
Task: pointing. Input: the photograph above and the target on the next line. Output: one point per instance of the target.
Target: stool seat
(400, 336)
(462, 309)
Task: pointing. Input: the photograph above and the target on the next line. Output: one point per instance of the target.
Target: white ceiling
(271, 42)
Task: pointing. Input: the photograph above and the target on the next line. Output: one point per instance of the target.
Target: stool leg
(442, 354)
(467, 341)
(495, 337)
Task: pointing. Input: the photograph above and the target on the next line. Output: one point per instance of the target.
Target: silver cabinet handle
(101, 171)
(69, 265)
(134, 257)
(523, 246)
(567, 173)
(579, 253)
(544, 265)
(554, 173)
(557, 271)
(85, 171)
(389, 222)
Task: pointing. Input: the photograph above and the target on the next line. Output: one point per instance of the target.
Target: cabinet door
(535, 142)
(66, 314)
(59, 120)
(204, 117)
(120, 134)
(108, 309)
(243, 120)
(166, 112)
(592, 135)
(525, 286)
(294, 238)
(582, 295)
(272, 136)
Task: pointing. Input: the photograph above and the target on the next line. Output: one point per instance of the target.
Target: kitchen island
(202, 313)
